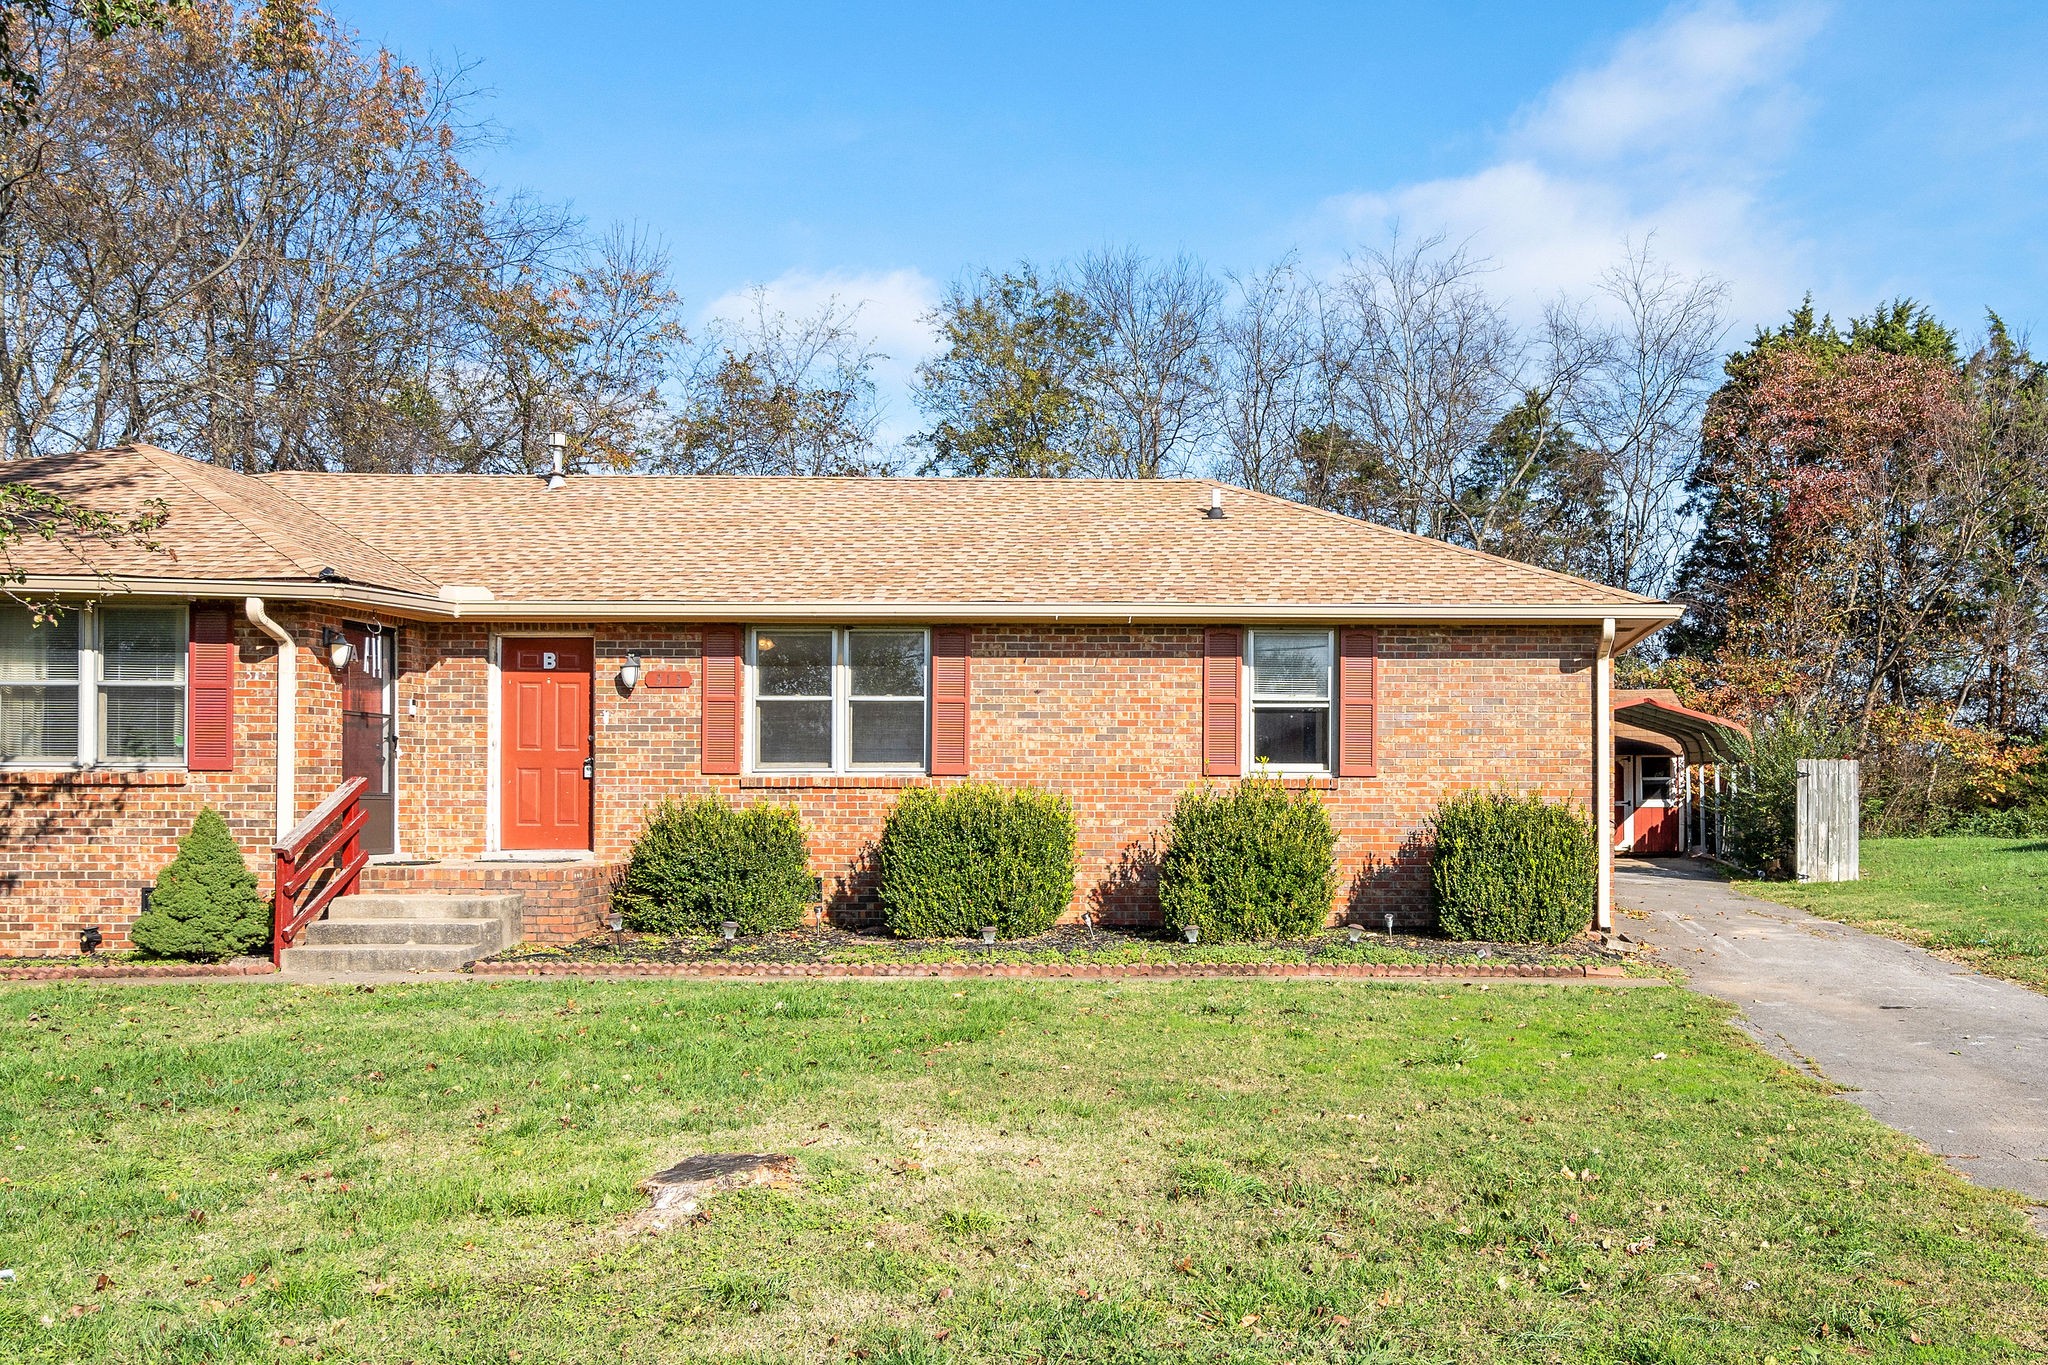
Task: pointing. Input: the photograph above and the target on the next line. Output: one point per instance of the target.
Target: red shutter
(1358, 709)
(210, 690)
(1222, 702)
(949, 702)
(721, 699)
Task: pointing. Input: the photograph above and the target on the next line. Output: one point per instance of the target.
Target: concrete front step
(426, 906)
(409, 933)
(378, 957)
(488, 933)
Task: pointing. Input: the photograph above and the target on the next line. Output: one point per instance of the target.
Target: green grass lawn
(1982, 901)
(1017, 1171)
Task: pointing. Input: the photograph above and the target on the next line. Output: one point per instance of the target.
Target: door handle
(589, 769)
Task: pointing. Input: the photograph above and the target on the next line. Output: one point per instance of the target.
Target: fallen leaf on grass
(100, 1285)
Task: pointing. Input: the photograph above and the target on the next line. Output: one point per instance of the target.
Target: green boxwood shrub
(954, 860)
(1511, 869)
(204, 906)
(700, 863)
(1248, 862)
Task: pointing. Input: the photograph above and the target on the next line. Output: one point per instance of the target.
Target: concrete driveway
(1955, 1058)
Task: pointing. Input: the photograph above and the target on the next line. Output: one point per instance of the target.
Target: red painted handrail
(311, 869)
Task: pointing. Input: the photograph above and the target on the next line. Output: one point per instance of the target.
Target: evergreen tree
(205, 904)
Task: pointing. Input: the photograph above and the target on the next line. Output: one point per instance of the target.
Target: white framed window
(94, 688)
(1287, 699)
(838, 699)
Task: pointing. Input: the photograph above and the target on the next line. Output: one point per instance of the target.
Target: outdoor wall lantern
(340, 652)
(629, 673)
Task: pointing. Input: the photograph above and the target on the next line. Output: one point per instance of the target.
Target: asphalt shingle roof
(785, 541)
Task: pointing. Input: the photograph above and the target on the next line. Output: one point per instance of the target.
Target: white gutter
(287, 714)
(1636, 619)
(1603, 773)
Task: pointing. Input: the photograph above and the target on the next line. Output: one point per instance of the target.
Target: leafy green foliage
(1759, 818)
(1010, 393)
(205, 906)
(700, 863)
(1513, 869)
(955, 860)
(1252, 861)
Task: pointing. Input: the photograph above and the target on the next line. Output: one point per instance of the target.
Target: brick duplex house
(517, 668)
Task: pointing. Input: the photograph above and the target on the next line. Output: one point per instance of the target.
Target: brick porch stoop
(562, 902)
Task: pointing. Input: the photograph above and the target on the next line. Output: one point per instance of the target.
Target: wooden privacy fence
(1830, 803)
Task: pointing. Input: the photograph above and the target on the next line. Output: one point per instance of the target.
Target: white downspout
(287, 714)
(1603, 773)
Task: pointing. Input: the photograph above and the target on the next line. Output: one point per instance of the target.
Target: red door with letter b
(544, 797)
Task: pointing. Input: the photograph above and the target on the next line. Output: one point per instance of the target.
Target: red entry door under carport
(544, 797)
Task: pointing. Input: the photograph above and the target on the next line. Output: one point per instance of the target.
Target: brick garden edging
(128, 971)
(1043, 971)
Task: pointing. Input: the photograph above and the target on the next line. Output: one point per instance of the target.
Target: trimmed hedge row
(1511, 869)
(1250, 861)
(700, 863)
(955, 860)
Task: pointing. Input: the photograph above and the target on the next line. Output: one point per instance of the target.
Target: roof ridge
(179, 467)
(207, 495)
(1575, 580)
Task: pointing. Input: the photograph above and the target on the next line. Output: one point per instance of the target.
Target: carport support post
(1603, 773)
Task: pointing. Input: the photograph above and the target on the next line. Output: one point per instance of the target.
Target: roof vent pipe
(558, 451)
(1215, 504)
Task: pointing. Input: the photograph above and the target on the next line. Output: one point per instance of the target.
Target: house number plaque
(668, 679)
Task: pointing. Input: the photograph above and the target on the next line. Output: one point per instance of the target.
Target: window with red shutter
(1358, 695)
(1222, 702)
(721, 737)
(949, 702)
(210, 689)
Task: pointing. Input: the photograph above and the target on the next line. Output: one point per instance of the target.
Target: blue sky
(1861, 149)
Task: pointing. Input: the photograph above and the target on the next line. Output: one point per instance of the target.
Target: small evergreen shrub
(1248, 862)
(204, 906)
(954, 860)
(700, 863)
(1511, 869)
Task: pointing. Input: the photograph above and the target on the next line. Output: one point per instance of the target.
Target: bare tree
(775, 394)
(1638, 404)
(1157, 377)
(1264, 378)
(1429, 363)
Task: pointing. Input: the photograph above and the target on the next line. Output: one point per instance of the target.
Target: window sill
(832, 781)
(92, 777)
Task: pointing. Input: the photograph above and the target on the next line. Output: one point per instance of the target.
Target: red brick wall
(1107, 715)
(77, 849)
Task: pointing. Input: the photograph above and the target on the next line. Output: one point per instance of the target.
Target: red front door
(544, 797)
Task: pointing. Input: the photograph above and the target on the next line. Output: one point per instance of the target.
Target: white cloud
(1674, 134)
(892, 305)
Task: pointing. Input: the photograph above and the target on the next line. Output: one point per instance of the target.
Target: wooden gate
(1830, 801)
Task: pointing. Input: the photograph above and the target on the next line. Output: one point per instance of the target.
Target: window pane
(38, 724)
(889, 732)
(886, 663)
(139, 724)
(30, 653)
(793, 663)
(1291, 663)
(795, 734)
(1293, 735)
(142, 644)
